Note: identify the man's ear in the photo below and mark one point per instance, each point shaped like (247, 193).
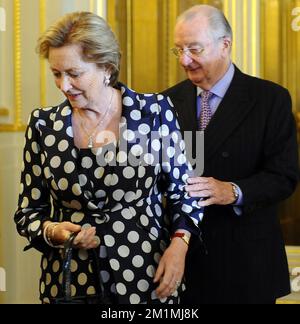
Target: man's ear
(227, 43)
(226, 46)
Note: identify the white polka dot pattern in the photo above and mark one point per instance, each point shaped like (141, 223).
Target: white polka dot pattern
(88, 192)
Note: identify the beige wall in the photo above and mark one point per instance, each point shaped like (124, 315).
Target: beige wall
(22, 269)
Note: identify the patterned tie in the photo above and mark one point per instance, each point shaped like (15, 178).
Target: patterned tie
(206, 114)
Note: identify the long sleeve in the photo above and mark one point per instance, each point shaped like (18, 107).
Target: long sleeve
(184, 210)
(279, 170)
(34, 206)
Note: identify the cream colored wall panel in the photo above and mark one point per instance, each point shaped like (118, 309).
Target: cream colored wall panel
(29, 62)
(2, 19)
(22, 269)
(6, 63)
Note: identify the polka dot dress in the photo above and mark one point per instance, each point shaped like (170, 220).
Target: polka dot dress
(118, 189)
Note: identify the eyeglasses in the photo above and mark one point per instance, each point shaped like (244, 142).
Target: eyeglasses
(190, 52)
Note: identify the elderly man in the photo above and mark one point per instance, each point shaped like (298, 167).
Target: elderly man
(251, 164)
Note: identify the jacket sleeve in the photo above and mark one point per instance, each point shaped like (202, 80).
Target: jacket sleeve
(279, 173)
(34, 206)
(183, 210)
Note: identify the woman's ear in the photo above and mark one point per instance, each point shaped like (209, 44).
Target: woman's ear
(108, 70)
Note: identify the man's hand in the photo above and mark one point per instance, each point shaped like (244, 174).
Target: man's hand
(213, 191)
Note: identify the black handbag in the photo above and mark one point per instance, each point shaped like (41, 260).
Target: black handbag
(100, 298)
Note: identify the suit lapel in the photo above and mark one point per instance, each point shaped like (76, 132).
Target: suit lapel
(186, 106)
(233, 109)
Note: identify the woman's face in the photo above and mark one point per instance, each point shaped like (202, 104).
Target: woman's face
(81, 82)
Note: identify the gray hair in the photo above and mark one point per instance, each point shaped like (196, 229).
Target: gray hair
(218, 23)
(98, 42)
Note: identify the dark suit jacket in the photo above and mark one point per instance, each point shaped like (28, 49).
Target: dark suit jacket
(251, 140)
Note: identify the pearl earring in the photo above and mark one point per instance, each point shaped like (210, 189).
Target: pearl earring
(106, 80)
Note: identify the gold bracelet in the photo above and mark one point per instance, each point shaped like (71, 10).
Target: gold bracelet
(53, 232)
(49, 234)
(183, 236)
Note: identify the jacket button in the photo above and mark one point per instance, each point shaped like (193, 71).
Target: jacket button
(225, 155)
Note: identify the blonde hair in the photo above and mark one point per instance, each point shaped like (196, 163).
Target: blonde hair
(92, 33)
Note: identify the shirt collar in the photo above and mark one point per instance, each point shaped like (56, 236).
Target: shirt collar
(221, 87)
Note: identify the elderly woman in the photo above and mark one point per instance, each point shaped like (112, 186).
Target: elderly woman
(98, 165)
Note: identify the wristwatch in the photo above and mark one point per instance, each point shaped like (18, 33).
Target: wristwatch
(235, 191)
(183, 236)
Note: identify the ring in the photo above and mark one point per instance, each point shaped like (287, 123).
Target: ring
(68, 235)
(97, 240)
(177, 283)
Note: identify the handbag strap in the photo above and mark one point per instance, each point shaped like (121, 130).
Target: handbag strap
(67, 254)
(67, 274)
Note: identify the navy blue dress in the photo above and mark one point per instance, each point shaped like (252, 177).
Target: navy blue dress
(118, 189)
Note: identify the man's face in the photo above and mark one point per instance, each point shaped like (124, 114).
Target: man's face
(210, 64)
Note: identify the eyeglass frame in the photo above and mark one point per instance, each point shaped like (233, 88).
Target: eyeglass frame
(178, 52)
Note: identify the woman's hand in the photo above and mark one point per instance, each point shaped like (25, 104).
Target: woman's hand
(60, 232)
(86, 239)
(171, 268)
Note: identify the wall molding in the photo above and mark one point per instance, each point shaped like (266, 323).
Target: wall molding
(4, 112)
(17, 125)
(16, 119)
